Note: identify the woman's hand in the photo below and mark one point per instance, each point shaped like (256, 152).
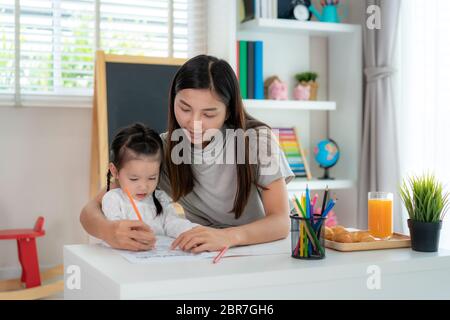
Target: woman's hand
(201, 239)
(130, 235)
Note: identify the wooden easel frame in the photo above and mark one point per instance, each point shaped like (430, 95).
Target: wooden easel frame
(302, 152)
(100, 143)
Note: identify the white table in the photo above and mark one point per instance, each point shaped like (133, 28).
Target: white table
(404, 274)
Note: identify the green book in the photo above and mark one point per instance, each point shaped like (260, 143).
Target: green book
(243, 68)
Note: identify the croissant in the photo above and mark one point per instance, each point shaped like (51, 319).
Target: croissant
(357, 236)
(339, 229)
(340, 234)
(343, 237)
(329, 233)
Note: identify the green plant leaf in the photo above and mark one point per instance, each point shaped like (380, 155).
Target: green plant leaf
(424, 198)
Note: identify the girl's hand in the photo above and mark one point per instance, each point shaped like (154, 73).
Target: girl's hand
(200, 239)
(130, 235)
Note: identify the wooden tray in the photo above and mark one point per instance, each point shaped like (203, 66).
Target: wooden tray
(397, 241)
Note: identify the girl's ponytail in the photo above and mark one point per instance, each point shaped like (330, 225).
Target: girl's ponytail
(108, 180)
(157, 203)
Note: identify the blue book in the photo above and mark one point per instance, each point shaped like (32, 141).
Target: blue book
(258, 79)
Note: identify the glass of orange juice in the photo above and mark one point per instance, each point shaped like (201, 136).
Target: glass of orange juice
(380, 214)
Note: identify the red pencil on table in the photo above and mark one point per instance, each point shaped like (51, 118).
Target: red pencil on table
(220, 255)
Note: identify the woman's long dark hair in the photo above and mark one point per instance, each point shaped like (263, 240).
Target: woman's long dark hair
(207, 72)
(132, 142)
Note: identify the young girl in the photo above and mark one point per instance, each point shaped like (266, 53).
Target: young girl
(136, 155)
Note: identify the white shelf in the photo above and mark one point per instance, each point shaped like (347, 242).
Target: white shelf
(277, 105)
(310, 27)
(289, 49)
(299, 184)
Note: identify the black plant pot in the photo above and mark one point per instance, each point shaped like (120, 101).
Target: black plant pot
(424, 235)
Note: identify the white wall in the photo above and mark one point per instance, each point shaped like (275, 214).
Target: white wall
(44, 170)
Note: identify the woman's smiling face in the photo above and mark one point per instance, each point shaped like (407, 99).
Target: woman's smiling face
(198, 110)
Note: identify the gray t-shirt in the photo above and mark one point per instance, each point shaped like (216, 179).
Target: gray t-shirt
(210, 203)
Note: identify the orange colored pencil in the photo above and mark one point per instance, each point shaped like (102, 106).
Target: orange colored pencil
(133, 204)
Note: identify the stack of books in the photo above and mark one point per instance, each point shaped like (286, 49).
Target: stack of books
(250, 69)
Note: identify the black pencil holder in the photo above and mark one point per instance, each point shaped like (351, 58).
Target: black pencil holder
(307, 237)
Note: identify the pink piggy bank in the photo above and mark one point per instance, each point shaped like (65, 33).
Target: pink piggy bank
(302, 92)
(278, 90)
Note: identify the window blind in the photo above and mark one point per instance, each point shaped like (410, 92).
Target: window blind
(7, 50)
(48, 46)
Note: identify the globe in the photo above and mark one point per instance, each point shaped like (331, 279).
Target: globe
(326, 154)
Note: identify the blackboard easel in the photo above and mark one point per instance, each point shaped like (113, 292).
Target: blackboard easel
(127, 89)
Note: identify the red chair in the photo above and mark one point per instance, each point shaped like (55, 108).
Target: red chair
(26, 246)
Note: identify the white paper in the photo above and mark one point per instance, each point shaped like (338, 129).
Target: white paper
(162, 252)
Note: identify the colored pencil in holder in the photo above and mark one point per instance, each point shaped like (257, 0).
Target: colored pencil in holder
(308, 203)
(324, 200)
(308, 242)
(299, 206)
(327, 211)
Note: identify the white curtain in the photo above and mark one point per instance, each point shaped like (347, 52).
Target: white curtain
(379, 168)
(423, 91)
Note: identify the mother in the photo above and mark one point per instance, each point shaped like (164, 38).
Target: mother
(235, 203)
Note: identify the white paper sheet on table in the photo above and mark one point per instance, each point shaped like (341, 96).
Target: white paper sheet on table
(162, 252)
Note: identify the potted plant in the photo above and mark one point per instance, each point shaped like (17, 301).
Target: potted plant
(308, 79)
(427, 205)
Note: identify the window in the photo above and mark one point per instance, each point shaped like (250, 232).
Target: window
(422, 91)
(48, 46)
(7, 54)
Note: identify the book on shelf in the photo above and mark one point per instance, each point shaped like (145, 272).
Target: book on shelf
(242, 76)
(250, 69)
(249, 10)
(259, 81)
(252, 9)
